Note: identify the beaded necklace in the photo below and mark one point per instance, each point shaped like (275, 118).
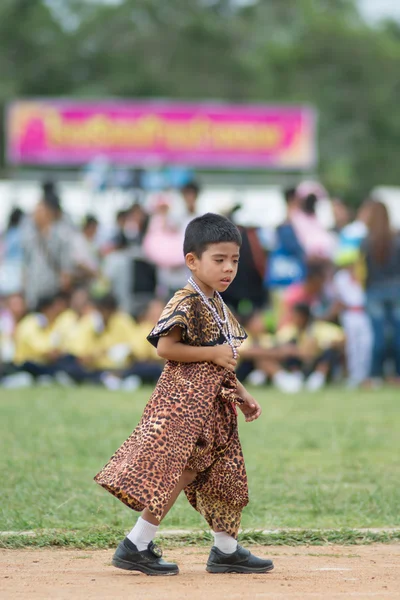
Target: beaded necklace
(226, 331)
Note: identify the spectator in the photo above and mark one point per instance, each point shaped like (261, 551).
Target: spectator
(146, 365)
(341, 215)
(135, 225)
(47, 249)
(316, 241)
(381, 249)
(318, 345)
(117, 240)
(35, 342)
(103, 338)
(13, 311)
(85, 252)
(250, 274)
(309, 292)
(146, 318)
(260, 358)
(11, 270)
(132, 226)
(163, 246)
(66, 323)
(352, 235)
(353, 318)
(190, 194)
(286, 260)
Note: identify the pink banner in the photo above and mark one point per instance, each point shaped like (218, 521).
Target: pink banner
(146, 133)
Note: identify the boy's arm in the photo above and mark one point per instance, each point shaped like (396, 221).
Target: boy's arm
(170, 347)
(250, 407)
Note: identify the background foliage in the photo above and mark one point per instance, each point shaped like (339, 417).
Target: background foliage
(314, 51)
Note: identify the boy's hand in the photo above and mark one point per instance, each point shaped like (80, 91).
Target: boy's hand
(223, 356)
(250, 408)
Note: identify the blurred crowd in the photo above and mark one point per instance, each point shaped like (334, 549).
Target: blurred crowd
(77, 301)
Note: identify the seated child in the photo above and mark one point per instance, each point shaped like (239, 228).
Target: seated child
(317, 346)
(146, 366)
(260, 358)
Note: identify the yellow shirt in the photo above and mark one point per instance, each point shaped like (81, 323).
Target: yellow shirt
(110, 346)
(34, 339)
(64, 326)
(142, 350)
(317, 337)
(264, 341)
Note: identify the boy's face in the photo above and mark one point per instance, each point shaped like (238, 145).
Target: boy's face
(216, 268)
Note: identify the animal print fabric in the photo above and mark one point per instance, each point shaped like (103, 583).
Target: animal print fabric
(190, 422)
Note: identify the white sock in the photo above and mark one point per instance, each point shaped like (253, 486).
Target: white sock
(142, 534)
(224, 542)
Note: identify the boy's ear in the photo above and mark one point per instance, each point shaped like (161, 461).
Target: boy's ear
(190, 260)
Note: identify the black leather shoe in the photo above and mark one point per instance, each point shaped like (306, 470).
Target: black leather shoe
(149, 561)
(240, 561)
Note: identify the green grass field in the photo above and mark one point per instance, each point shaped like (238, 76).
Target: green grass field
(322, 461)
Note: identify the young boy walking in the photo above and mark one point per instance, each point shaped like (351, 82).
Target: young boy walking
(187, 438)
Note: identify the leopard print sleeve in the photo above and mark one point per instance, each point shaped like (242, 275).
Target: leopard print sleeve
(199, 327)
(179, 312)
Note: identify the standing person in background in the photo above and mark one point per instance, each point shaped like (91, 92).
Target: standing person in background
(47, 248)
(131, 227)
(341, 215)
(85, 250)
(381, 250)
(352, 235)
(162, 245)
(249, 276)
(350, 295)
(12, 254)
(185, 211)
(286, 260)
(316, 241)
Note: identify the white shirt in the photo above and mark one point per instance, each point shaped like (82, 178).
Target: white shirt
(348, 290)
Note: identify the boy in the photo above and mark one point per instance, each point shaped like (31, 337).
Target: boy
(187, 438)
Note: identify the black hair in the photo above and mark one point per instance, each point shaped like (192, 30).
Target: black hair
(63, 296)
(303, 309)
(121, 214)
(15, 218)
(309, 204)
(49, 187)
(315, 270)
(52, 201)
(45, 302)
(106, 302)
(290, 194)
(89, 220)
(209, 229)
(191, 186)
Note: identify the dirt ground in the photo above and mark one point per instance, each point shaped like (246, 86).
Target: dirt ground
(329, 572)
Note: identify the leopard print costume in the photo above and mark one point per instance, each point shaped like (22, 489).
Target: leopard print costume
(190, 422)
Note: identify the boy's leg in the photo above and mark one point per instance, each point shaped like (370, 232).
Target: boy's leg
(137, 552)
(146, 526)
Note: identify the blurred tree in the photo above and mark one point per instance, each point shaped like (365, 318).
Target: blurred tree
(314, 51)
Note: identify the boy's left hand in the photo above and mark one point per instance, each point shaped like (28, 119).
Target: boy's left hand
(250, 408)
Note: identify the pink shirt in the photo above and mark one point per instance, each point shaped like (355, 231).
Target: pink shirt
(316, 241)
(294, 294)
